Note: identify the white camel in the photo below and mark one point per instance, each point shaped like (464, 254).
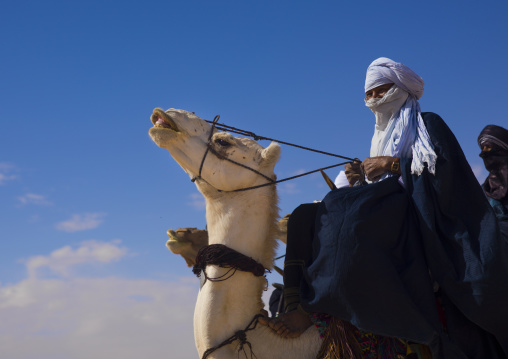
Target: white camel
(244, 221)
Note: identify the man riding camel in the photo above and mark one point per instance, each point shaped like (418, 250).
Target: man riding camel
(413, 228)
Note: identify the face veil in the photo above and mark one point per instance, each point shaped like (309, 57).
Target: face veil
(493, 141)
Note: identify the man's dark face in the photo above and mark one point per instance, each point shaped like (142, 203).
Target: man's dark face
(496, 162)
(486, 147)
(491, 151)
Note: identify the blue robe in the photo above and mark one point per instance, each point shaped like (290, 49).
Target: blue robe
(379, 251)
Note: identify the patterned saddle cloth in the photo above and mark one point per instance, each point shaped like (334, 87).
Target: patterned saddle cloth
(375, 346)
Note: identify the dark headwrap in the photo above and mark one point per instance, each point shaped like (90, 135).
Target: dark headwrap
(496, 161)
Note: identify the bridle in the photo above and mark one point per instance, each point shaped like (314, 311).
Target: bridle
(209, 148)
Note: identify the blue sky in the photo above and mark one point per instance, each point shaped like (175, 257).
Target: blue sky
(86, 197)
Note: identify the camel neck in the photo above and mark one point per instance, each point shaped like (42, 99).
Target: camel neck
(242, 221)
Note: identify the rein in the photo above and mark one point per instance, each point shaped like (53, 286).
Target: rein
(224, 127)
(270, 182)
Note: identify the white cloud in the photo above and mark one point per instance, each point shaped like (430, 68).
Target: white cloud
(81, 222)
(105, 318)
(32, 198)
(5, 176)
(61, 261)
(100, 318)
(197, 201)
(5, 166)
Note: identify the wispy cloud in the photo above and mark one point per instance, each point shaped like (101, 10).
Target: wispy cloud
(98, 318)
(102, 318)
(61, 261)
(289, 188)
(32, 198)
(298, 172)
(81, 222)
(197, 201)
(5, 173)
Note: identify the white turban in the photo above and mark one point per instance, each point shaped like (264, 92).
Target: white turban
(405, 134)
(384, 71)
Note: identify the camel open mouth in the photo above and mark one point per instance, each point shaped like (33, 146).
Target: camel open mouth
(161, 119)
(176, 242)
(175, 237)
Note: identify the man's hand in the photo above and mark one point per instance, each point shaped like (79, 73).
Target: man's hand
(375, 167)
(353, 172)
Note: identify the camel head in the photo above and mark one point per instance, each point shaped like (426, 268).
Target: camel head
(185, 136)
(187, 242)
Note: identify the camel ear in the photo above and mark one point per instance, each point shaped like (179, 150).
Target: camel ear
(271, 154)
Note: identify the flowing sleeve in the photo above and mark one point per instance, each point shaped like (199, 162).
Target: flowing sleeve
(465, 252)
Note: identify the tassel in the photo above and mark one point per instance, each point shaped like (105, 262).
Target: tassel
(340, 342)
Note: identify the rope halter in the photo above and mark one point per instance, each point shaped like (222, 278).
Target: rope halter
(209, 148)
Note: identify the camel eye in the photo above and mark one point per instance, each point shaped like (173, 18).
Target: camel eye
(222, 143)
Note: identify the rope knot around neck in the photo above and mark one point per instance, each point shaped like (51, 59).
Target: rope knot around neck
(225, 257)
(241, 337)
